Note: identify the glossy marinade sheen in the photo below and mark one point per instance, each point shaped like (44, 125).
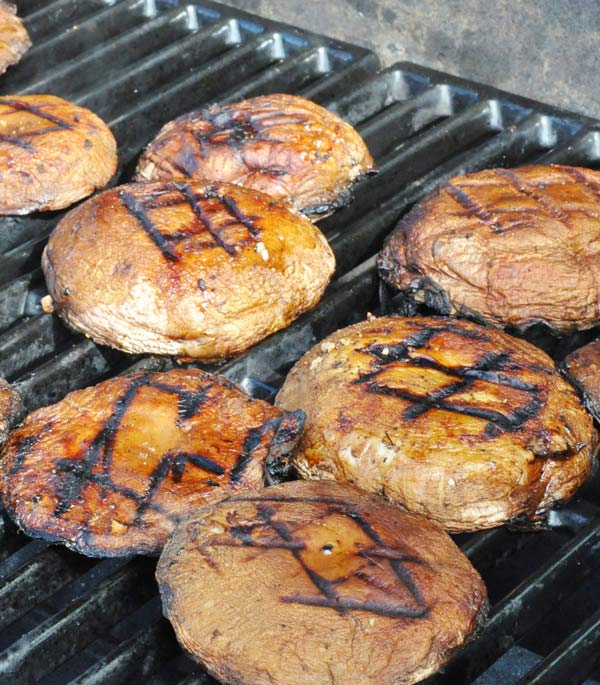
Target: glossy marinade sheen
(197, 270)
(317, 583)
(461, 423)
(283, 145)
(512, 247)
(52, 153)
(110, 469)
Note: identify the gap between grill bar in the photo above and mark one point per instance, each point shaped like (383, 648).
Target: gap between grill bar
(573, 660)
(522, 607)
(49, 644)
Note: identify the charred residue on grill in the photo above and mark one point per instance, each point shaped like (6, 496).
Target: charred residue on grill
(182, 193)
(491, 367)
(270, 532)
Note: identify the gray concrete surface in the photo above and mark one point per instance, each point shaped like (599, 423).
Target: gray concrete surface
(545, 49)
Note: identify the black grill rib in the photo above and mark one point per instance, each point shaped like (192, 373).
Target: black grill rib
(572, 660)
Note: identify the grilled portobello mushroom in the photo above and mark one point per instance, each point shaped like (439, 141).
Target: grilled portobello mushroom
(52, 153)
(283, 145)
(317, 583)
(10, 407)
(14, 39)
(513, 247)
(583, 369)
(110, 469)
(464, 424)
(198, 270)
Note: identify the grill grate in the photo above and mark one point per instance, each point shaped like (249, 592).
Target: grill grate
(66, 618)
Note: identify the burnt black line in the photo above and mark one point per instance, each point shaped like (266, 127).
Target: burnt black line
(529, 191)
(344, 604)
(472, 206)
(202, 462)
(101, 446)
(32, 109)
(17, 141)
(324, 586)
(509, 422)
(139, 213)
(237, 213)
(203, 217)
(577, 176)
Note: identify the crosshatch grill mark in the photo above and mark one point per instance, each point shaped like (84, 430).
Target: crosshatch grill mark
(492, 367)
(21, 139)
(167, 242)
(260, 535)
(95, 467)
(234, 129)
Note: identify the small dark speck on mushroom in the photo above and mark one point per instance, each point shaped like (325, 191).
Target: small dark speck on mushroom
(41, 168)
(202, 284)
(216, 632)
(67, 292)
(88, 144)
(327, 549)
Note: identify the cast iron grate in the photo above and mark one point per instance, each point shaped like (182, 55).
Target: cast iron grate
(65, 618)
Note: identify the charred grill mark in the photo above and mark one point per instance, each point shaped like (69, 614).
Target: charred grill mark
(139, 213)
(580, 178)
(329, 596)
(16, 140)
(19, 105)
(204, 463)
(203, 217)
(324, 586)
(491, 368)
(190, 403)
(246, 221)
(79, 471)
(22, 451)
(176, 464)
(473, 207)
(243, 535)
(344, 604)
(251, 442)
(530, 192)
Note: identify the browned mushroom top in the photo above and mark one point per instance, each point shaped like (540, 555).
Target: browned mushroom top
(317, 583)
(52, 153)
(14, 39)
(462, 423)
(194, 269)
(110, 469)
(511, 246)
(283, 145)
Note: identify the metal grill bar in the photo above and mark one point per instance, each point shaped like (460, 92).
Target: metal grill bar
(572, 660)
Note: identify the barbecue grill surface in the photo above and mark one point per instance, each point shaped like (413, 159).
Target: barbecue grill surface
(137, 64)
